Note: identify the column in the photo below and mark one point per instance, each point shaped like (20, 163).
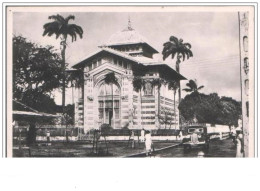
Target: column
(244, 64)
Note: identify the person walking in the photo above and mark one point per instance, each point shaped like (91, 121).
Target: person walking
(132, 139)
(239, 145)
(142, 135)
(148, 143)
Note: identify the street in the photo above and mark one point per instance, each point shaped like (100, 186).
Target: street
(218, 148)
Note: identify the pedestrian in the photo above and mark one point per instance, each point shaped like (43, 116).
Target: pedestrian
(180, 135)
(142, 135)
(233, 134)
(239, 145)
(132, 139)
(48, 134)
(148, 143)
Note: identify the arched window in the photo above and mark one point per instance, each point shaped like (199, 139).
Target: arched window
(106, 89)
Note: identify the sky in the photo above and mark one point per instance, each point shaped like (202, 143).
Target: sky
(214, 37)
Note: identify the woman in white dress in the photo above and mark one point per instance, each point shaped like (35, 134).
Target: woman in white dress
(148, 143)
(142, 135)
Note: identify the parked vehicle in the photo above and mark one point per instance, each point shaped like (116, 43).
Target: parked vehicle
(196, 136)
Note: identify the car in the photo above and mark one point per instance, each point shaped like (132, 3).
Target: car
(196, 137)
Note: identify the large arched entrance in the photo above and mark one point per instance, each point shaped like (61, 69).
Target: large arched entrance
(109, 104)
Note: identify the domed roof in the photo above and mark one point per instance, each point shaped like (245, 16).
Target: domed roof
(127, 36)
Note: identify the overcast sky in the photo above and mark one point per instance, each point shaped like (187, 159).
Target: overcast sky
(213, 36)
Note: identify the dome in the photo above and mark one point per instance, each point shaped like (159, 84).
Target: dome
(127, 36)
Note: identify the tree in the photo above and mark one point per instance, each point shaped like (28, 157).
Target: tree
(177, 47)
(231, 111)
(193, 87)
(111, 79)
(61, 28)
(210, 109)
(36, 73)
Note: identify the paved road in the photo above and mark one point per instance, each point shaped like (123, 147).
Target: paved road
(218, 148)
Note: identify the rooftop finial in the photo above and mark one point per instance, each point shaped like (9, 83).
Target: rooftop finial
(129, 24)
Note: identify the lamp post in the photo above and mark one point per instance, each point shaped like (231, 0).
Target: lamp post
(20, 131)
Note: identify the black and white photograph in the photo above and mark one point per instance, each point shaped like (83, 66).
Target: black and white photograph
(130, 82)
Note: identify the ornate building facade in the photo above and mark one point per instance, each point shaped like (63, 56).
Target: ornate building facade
(127, 54)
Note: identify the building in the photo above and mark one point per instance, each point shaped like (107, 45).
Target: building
(127, 54)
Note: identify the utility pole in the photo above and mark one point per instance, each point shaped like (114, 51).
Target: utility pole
(244, 75)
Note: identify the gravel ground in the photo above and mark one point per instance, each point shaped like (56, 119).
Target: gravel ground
(84, 149)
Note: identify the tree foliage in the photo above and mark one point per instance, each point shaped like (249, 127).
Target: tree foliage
(210, 109)
(176, 46)
(36, 73)
(60, 26)
(192, 86)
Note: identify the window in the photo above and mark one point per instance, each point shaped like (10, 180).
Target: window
(99, 62)
(117, 113)
(101, 113)
(116, 104)
(125, 65)
(148, 123)
(148, 112)
(120, 63)
(151, 117)
(148, 89)
(148, 101)
(90, 67)
(94, 64)
(101, 104)
(108, 104)
(115, 61)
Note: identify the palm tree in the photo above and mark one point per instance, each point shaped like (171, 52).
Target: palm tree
(193, 86)
(111, 79)
(176, 47)
(173, 85)
(60, 27)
